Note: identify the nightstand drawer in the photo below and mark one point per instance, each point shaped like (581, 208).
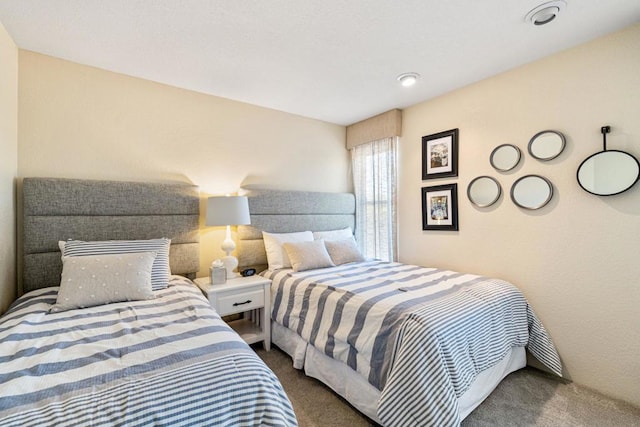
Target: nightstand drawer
(240, 301)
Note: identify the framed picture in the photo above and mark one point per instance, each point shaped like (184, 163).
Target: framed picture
(440, 154)
(440, 207)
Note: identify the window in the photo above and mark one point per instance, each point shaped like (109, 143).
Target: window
(374, 177)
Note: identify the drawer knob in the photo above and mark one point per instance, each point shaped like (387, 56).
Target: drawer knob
(235, 304)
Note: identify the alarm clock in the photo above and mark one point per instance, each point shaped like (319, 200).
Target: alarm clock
(248, 272)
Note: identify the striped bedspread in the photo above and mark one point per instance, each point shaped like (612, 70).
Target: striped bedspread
(420, 335)
(170, 361)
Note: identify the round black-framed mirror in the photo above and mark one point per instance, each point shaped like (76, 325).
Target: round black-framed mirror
(532, 192)
(546, 145)
(608, 173)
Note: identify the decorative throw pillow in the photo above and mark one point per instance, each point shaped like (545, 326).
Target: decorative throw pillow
(160, 273)
(93, 280)
(344, 251)
(276, 255)
(308, 255)
(333, 234)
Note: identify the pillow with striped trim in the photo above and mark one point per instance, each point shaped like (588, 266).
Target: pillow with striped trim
(160, 271)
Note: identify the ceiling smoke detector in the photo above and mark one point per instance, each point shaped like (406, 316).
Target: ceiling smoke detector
(545, 13)
(408, 79)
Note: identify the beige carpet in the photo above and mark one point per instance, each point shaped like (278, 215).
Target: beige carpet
(527, 397)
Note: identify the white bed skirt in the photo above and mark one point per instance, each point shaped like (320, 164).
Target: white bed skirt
(362, 395)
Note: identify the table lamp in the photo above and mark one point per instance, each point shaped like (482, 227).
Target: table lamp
(228, 211)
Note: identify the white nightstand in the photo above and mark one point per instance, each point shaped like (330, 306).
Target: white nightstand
(248, 295)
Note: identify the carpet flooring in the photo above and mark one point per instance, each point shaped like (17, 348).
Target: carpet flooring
(528, 397)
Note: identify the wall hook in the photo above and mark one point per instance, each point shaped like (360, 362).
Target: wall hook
(605, 130)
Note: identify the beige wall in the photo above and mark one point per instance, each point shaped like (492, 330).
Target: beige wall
(82, 122)
(576, 259)
(8, 165)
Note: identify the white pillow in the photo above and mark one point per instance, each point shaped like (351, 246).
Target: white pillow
(161, 271)
(344, 251)
(276, 255)
(93, 280)
(333, 234)
(308, 255)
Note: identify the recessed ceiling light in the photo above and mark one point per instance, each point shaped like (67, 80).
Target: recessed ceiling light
(545, 13)
(408, 79)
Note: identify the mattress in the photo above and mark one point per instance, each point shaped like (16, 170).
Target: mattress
(167, 361)
(421, 336)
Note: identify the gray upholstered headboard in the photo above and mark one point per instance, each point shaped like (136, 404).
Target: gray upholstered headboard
(60, 209)
(287, 212)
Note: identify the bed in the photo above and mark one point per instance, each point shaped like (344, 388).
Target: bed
(406, 345)
(159, 355)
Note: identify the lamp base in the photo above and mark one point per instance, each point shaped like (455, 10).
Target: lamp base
(230, 263)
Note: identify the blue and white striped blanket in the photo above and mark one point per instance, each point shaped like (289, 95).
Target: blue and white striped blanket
(420, 335)
(170, 361)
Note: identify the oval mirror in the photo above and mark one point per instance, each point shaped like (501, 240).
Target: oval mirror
(546, 145)
(608, 172)
(505, 157)
(531, 192)
(484, 191)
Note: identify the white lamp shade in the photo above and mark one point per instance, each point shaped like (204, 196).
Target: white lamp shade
(229, 210)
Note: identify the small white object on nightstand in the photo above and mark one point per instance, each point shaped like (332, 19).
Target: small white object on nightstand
(248, 295)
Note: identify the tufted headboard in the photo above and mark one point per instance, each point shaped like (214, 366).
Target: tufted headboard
(60, 209)
(286, 212)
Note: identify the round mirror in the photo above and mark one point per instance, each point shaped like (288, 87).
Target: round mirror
(608, 172)
(531, 192)
(505, 157)
(484, 191)
(546, 145)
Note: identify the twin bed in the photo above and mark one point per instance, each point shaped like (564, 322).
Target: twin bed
(405, 345)
(164, 357)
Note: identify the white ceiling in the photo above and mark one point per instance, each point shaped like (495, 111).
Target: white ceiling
(332, 60)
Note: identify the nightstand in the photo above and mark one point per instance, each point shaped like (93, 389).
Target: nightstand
(250, 296)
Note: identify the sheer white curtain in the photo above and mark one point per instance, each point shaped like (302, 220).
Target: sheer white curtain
(374, 179)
